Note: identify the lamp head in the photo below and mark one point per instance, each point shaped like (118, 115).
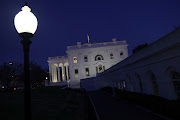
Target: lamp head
(25, 21)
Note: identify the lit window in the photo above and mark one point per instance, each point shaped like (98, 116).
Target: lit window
(76, 73)
(75, 59)
(111, 56)
(87, 71)
(85, 58)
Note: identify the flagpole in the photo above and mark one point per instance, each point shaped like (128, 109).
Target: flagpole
(88, 37)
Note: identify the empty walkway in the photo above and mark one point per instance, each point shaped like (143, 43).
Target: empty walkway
(109, 108)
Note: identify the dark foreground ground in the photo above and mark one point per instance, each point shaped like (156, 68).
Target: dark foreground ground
(111, 108)
(54, 103)
(50, 103)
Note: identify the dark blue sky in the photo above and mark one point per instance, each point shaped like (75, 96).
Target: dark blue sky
(63, 22)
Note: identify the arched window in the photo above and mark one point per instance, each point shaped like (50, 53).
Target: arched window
(154, 84)
(99, 57)
(139, 83)
(130, 83)
(123, 85)
(175, 76)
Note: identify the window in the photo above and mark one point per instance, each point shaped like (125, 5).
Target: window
(75, 59)
(176, 82)
(121, 53)
(85, 58)
(100, 68)
(122, 85)
(154, 84)
(76, 73)
(87, 71)
(111, 56)
(99, 57)
(130, 84)
(139, 83)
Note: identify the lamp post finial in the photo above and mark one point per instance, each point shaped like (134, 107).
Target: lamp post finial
(26, 4)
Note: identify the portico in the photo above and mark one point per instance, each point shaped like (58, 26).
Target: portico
(58, 69)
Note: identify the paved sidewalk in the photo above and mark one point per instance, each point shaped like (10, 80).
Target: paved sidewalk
(109, 108)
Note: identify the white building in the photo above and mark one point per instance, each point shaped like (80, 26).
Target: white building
(85, 61)
(153, 70)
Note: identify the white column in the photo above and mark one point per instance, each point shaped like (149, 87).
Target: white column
(55, 74)
(50, 73)
(52, 68)
(63, 73)
(59, 80)
(67, 74)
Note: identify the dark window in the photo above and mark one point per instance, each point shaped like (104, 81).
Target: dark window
(121, 54)
(100, 68)
(85, 59)
(76, 72)
(154, 84)
(111, 56)
(99, 57)
(176, 82)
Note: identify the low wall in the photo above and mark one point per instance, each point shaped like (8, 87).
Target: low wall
(94, 83)
(159, 59)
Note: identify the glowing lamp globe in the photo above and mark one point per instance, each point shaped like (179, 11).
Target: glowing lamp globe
(25, 21)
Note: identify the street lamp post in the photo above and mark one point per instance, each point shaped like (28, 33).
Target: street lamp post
(26, 25)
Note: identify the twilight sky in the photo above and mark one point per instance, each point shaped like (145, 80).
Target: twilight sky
(62, 23)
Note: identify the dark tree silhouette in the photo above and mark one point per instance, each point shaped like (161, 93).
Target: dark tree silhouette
(11, 74)
(37, 75)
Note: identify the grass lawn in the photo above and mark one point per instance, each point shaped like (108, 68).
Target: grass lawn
(49, 103)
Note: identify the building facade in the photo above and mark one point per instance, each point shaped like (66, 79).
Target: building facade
(153, 70)
(86, 61)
